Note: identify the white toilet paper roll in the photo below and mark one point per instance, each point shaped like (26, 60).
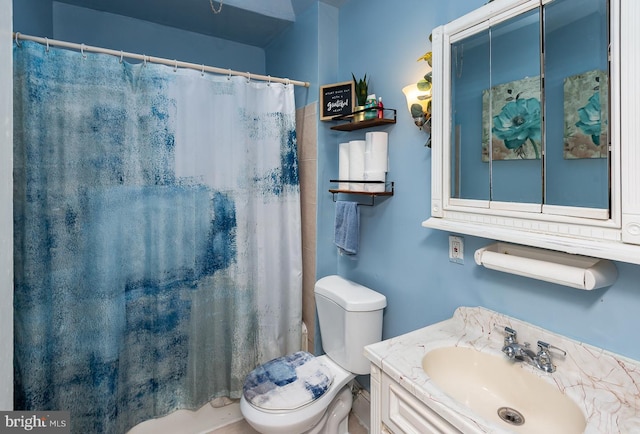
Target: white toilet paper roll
(343, 165)
(356, 164)
(374, 176)
(376, 151)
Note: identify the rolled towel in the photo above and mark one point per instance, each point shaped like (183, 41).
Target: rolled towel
(343, 165)
(376, 157)
(374, 176)
(356, 164)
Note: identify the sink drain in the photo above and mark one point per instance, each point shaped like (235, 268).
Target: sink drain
(511, 416)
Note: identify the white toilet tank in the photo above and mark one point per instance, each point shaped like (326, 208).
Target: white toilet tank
(350, 317)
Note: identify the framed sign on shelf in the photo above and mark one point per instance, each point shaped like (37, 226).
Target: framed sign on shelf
(336, 100)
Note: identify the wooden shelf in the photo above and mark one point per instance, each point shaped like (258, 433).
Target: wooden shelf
(389, 113)
(372, 194)
(368, 193)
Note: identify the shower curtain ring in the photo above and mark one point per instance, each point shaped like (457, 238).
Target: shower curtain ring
(248, 77)
(175, 65)
(229, 76)
(121, 56)
(47, 41)
(269, 82)
(144, 58)
(202, 72)
(84, 56)
(288, 82)
(17, 36)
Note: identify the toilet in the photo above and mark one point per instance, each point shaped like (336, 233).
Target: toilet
(300, 393)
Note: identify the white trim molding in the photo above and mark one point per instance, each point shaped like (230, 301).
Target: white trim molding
(610, 234)
(6, 207)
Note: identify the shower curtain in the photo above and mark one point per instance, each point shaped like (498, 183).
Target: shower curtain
(157, 235)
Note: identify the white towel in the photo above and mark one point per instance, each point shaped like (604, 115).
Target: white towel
(343, 165)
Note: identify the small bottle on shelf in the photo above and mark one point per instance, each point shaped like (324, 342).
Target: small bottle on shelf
(380, 109)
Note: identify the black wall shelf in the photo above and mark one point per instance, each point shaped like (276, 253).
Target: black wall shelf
(389, 190)
(389, 117)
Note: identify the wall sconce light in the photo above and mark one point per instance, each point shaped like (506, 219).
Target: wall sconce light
(419, 105)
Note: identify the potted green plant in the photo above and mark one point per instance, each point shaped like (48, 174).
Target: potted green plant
(362, 91)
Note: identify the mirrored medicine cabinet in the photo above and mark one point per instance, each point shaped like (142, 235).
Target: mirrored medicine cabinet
(536, 123)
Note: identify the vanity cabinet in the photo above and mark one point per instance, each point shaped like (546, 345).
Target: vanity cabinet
(535, 126)
(574, 399)
(396, 411)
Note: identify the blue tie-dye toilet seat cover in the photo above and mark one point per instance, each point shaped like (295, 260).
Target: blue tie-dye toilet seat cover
(287, 382)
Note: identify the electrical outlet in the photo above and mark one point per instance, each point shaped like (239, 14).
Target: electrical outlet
(456, 249)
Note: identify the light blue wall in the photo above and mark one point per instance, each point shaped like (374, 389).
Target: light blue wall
(80, 25)
(408, 263)
(33, 17)
(294, 54)
(398, 257)
(329, 55)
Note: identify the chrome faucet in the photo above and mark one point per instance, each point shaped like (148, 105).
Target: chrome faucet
(523, 353)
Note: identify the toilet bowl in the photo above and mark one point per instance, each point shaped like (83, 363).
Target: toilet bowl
(304, 419)
(300, 393)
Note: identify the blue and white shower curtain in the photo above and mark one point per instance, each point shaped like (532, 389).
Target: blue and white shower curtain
(157, 235)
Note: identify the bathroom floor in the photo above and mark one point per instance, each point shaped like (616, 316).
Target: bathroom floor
(227, 420)
(242, 427)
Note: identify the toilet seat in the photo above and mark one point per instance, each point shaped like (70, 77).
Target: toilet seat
(303, 418)
(287, 383)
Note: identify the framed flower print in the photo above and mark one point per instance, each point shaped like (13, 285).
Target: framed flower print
(511, 119)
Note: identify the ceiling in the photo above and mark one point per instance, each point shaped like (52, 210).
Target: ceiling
(251, 22)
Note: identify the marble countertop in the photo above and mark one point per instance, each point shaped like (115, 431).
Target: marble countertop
(605, 386)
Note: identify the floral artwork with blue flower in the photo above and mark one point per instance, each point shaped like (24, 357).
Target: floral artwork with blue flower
(518, 125)
(589, 121)
(585, 134)
(511, 120)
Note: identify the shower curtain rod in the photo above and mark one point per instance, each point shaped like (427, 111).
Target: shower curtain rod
(175, 63)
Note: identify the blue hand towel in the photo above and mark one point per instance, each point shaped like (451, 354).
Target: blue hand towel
(347, 227)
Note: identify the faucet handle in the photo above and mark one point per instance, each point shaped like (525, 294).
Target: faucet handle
(510, 342)
(543, 358)
(545, 347)
(510, 336)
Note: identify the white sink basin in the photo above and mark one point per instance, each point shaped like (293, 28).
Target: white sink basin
(489, 385)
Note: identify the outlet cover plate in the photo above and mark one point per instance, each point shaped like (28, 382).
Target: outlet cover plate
(456, 249)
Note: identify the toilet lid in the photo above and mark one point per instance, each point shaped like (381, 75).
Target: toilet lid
(287, 382)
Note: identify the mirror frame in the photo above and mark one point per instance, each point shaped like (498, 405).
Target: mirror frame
(567, 229)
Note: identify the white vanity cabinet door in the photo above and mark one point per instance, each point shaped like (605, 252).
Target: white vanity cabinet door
(403, 413)
(375, 395)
